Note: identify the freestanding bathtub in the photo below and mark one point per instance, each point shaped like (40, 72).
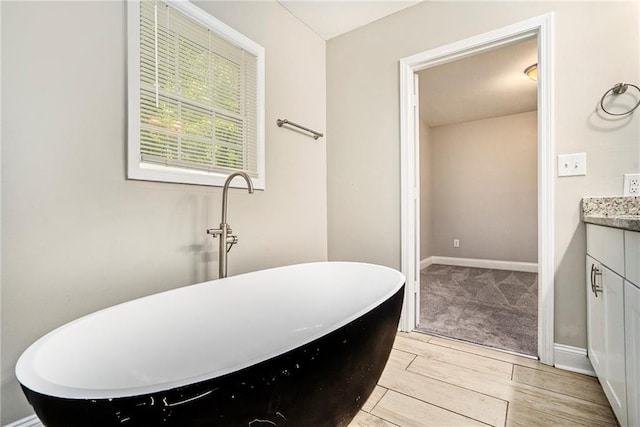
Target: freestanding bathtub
(302, 345)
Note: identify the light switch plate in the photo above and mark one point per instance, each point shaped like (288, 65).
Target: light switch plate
(572, 164)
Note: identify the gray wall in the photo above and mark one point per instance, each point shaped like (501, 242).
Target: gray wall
(76, 235)
(596, 45)
(482, 180)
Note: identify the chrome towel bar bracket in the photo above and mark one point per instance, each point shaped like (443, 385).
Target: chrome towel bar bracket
(314, 134)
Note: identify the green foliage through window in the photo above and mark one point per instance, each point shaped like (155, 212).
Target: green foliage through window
(197, 95)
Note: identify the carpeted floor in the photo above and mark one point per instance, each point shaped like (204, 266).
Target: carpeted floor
(496, 308)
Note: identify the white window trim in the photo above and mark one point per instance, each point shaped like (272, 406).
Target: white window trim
(142, 171)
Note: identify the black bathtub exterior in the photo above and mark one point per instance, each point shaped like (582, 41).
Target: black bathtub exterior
(322, 383)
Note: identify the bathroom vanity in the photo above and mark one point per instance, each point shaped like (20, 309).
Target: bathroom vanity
(613, 300)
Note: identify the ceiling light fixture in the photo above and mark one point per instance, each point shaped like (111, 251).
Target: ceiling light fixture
(532, 71)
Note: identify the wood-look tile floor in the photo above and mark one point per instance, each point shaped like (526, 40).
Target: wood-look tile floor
(432, 381)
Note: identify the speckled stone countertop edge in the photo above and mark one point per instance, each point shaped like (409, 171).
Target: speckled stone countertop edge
(625, 224)
(616, 211)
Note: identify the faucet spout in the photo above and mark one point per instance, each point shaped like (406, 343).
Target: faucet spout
(225, 190)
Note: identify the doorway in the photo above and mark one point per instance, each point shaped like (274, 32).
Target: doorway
(540, 28)
(478, 199)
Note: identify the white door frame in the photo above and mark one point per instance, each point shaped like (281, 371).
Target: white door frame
(542, 28)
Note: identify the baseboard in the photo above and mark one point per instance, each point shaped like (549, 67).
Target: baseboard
(426, 262)
(572, 359)
(528, 267)
(31, 421)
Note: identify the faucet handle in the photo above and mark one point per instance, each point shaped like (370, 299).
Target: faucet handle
(214, 231)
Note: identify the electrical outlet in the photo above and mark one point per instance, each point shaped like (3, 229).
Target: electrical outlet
(632, 184)
(456, 243)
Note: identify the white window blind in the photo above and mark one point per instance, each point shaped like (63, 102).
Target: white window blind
(199, 95)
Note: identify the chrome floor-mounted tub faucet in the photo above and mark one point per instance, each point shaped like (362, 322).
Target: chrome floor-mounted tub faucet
(227, 239)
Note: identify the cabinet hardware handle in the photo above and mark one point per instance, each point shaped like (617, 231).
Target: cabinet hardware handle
(594, 285)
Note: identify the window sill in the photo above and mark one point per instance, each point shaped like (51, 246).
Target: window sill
(160, 173)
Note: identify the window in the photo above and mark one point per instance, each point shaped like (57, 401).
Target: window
(196, 96)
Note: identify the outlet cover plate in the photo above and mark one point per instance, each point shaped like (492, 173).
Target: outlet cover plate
(632, 184)
(572, 164)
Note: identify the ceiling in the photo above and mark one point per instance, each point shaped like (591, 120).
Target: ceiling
(330, 18)
(481, 86)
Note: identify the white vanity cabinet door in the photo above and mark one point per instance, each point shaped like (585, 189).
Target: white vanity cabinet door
(632, 335)
(595, 320)
(606, 340)
(614, 383)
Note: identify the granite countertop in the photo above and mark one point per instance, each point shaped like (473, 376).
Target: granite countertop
(619, 212)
